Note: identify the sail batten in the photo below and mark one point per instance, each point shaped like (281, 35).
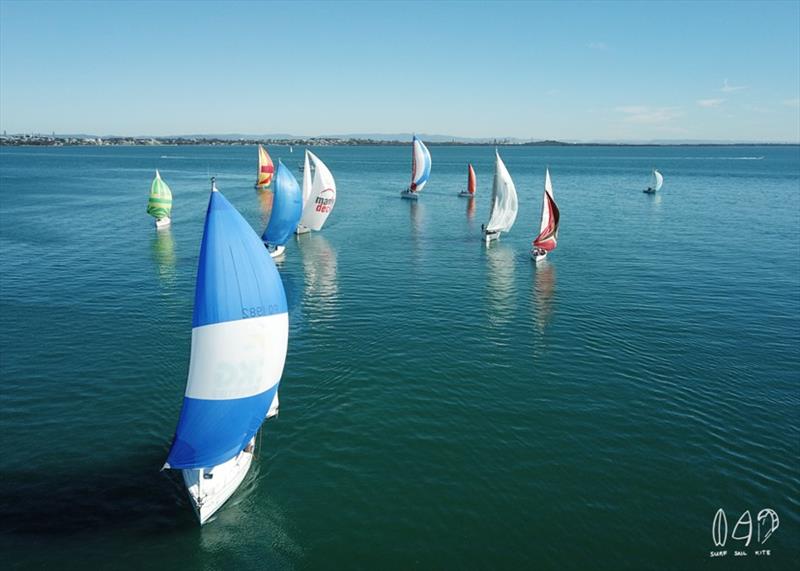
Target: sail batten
(239, 341)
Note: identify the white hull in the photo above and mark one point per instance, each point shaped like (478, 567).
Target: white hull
(163, 222)
(490, 236)
(302, 229)
(537, 257)
(466, 194)
(210, 488)
(275, 251)
(409, 195)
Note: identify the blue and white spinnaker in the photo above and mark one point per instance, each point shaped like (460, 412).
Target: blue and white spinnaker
(240, 330)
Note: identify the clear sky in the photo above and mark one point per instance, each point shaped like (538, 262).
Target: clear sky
(542, 70)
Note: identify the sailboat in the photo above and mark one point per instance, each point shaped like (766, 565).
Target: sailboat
(658, 182)
(159, 206)
(266, 169)
(305, 168)
(240, 331)
(548, 228)
(321, 197)
(287, 206)
(504, 203)
(420, 169)
(471, 183)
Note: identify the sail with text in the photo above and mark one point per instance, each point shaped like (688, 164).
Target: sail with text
(322, 195)
(240, 329)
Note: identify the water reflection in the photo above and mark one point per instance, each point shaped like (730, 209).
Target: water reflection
(544, 286)
(417, 214)
(500, 281)
(321, 291)
(470, 208)
(163, 250)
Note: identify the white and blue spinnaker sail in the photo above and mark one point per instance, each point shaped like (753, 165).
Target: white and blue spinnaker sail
(240, 330)
(420, 165)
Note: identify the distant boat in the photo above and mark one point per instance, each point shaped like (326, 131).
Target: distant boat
(548, 228)
(287, 206)
(504, 203)
(319, 194)
(291, 149)
(420, 169)
(658, 182)
(471, 183)
(240, 330)
(266, 169)
(159, 206)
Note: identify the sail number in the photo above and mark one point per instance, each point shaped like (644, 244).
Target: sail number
(259, 310)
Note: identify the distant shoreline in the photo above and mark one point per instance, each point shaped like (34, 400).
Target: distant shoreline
(66, 141)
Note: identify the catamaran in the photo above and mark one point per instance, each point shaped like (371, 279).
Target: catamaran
(420, 169)
(287, 207)
(266, 169)
(504, 203)
(471, 183)
(548, 228)
(159, 206)
(658, 182)
(319, 194)
(240, 332)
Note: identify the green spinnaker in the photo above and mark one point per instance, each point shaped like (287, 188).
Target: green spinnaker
(160, 204)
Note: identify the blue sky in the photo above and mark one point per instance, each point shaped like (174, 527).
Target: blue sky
(564, 70)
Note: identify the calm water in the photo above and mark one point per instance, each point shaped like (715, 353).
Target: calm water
(444, 406)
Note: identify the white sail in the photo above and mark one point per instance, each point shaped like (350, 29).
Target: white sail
(322, 196)
(504, 199)
(306, 181)
(548, 188)
(659, 180)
